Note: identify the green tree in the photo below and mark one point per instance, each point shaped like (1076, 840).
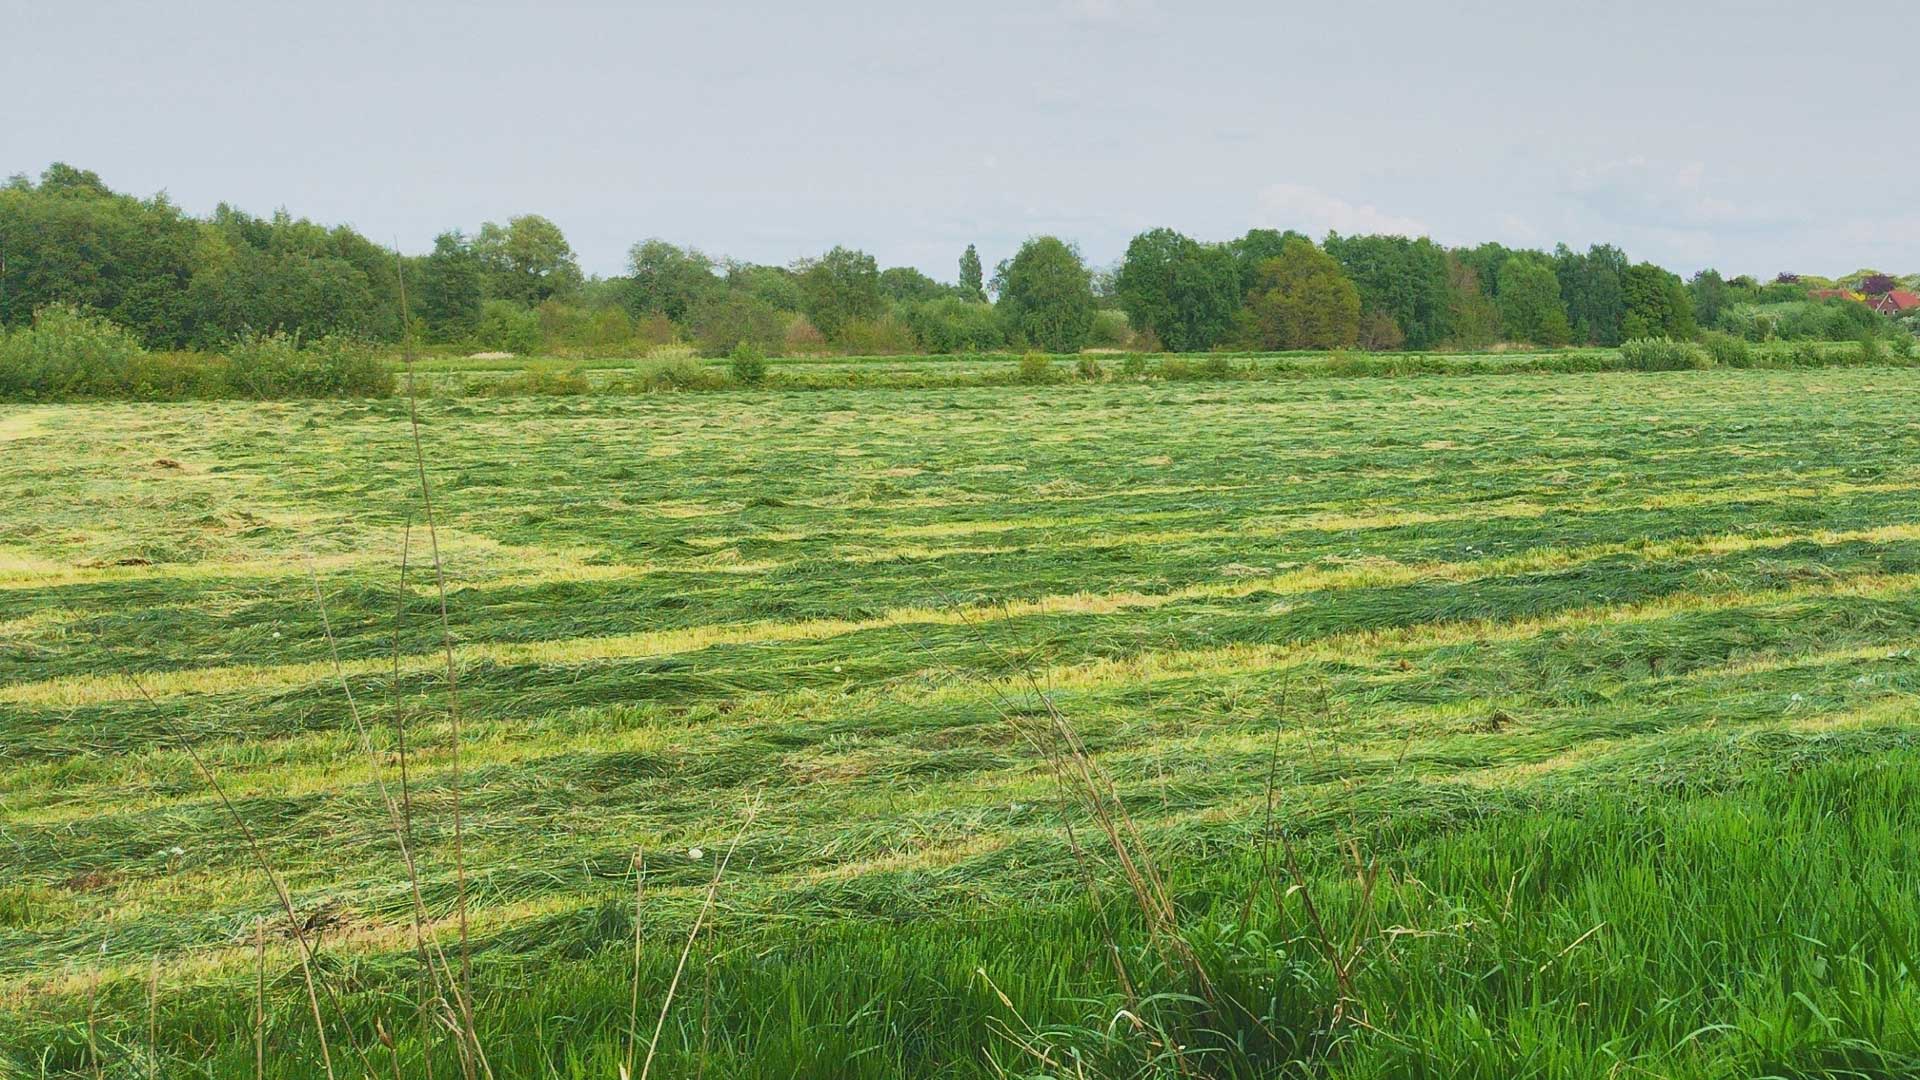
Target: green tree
(1302, 299)
(839, 287)
(1657, 305)
(1711, 295)
(1401, 278)
(452, 287)
(508, 327)
(1530, 305)
(1485, 261)
(905, 285)
(528, 260)
(666, 280)
(724, 321)
(775, 286)
(1256, 249)
(1591, 289)
(1183, 292)
(70, 240)
(1046, 296)
(284, 292)
(1474, 315)
(971, 286)
(953, 325)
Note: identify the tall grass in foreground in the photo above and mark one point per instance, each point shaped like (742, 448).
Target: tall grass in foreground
(1764, 926)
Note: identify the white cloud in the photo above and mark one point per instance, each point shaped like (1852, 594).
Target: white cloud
(1314, 212)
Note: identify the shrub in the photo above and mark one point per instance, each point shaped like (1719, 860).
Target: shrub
(270, 366)
(734, 319)
(1379, 332)
(536, 382)
(1870, 350)
(1088, 367)
(655, 329)
(1110, 330)
(802, 338)
(953, 326)
(1905, 346)
(1662, 354)
(508, 327)
(1728, 350)
(672, 373)
(1808, 354)
(1175, 369)
(1348, 362)
(748, 364)
(885, 336)
(1133, 365)
(1216, 367)
(1036, 369)
(67, 353)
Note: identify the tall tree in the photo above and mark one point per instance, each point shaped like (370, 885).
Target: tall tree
(1256, 249)
(1403, 279)
(527, 260)
(1711, 295)
(71, 240)
(1302, 299)
(904, 284)
(1657, 305)
(775, 286)
(1530, 305)
(1485, 261)
(663, 279)
(452, 288)
(1590, 287)
(1046, 296)
(839, 287)
(1474, 315)
(971, 285)
(1183, 292)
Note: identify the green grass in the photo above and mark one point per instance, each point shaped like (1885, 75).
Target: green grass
(1607, 677)
(456, 375)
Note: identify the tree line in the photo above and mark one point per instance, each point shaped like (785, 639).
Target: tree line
(177, 281)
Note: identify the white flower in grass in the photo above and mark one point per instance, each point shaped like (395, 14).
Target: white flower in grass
(696, 854)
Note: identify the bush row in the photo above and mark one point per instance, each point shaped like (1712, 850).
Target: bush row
(681, 371)
(69, 355)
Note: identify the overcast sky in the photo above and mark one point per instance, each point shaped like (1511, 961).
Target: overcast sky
(1753, 136)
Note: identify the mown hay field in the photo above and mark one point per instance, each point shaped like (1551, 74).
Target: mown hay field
(1585, 702)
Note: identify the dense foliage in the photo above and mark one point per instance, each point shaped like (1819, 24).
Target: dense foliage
(174, 281)
(69, 355)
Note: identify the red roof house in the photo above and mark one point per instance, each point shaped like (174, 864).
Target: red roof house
(1897, 302)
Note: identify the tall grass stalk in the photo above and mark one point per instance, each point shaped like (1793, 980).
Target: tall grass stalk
(305, 950)
(259, 999)
(639, 939)
(699, 921)
(456, 779)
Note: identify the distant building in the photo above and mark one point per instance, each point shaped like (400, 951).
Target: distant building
(1898, 302)
(1895, 303)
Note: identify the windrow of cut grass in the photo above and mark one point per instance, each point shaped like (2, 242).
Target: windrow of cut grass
(1605, 681)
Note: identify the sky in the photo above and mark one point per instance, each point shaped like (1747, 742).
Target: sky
(1753, 137)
